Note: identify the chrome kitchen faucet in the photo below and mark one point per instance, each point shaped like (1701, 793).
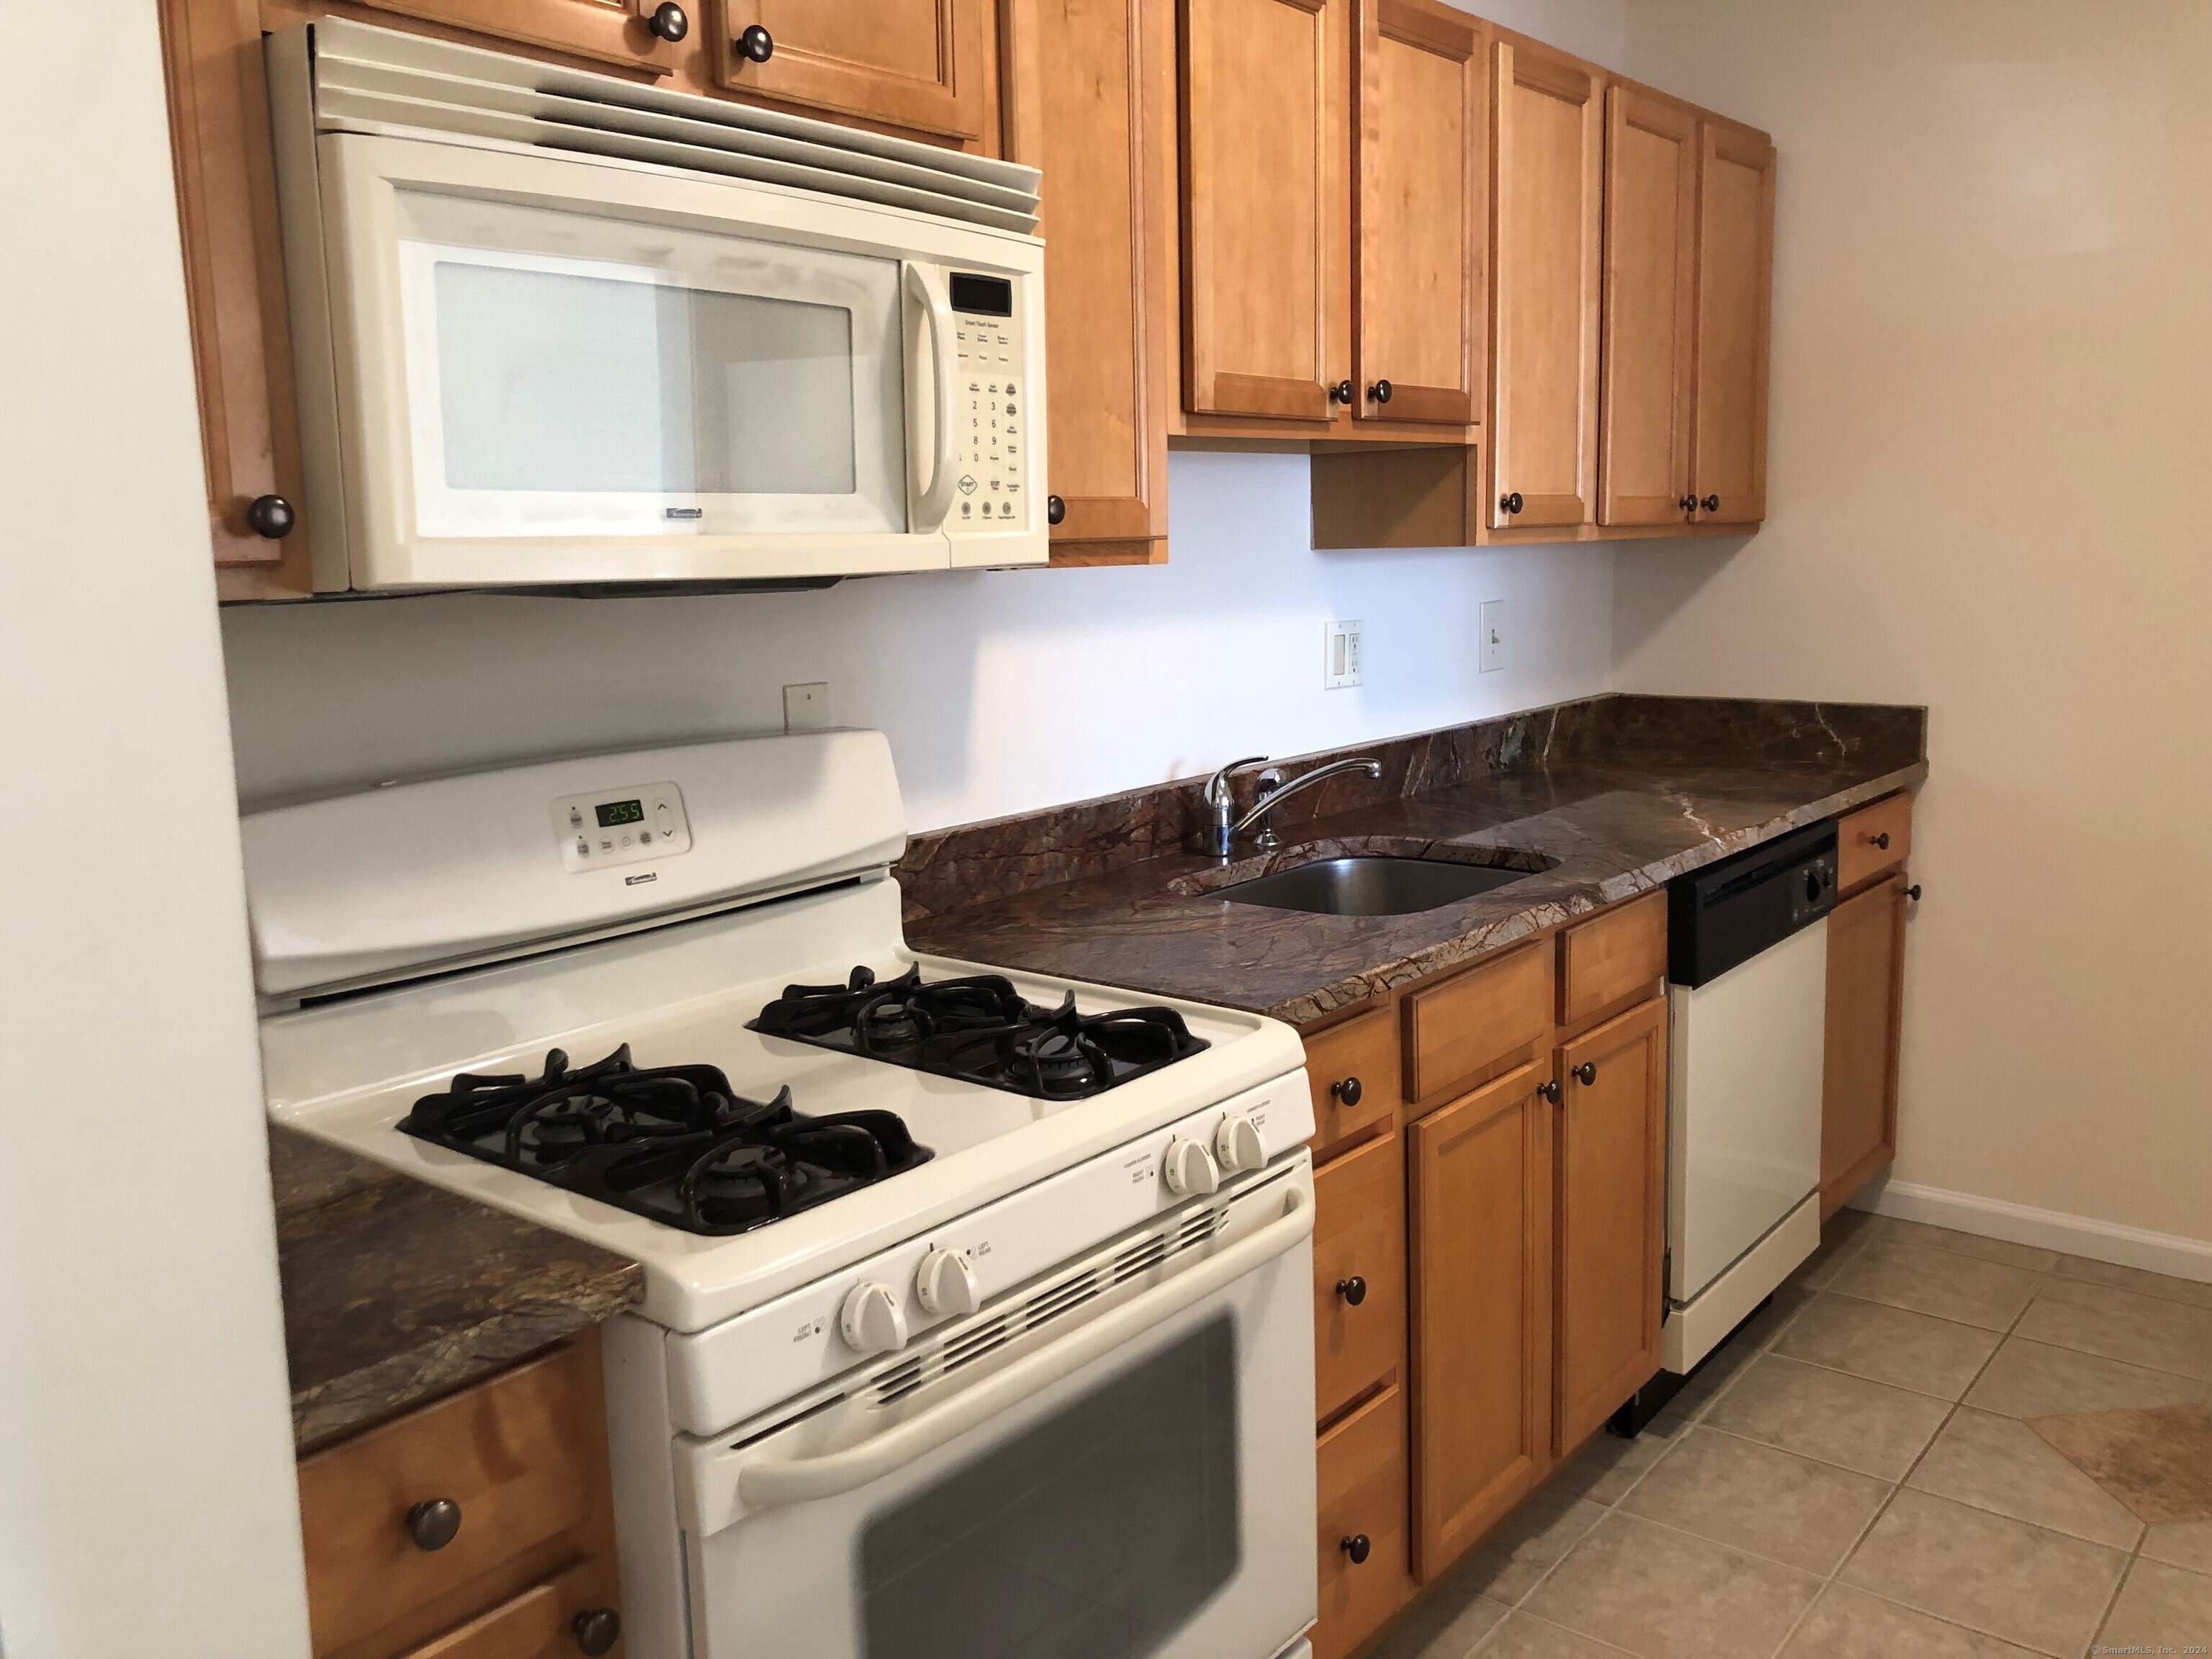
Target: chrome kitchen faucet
(1222, 826)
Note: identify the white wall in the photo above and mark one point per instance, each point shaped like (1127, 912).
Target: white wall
(1992, 380)
(147, 1502)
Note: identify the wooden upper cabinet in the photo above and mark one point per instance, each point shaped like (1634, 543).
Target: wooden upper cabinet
(917, 64)
(1651, 273)
(1089, 92)
(1547, 157)
(1735, 260)
(612, 31)
(1265, 211)
(1611, 1208)
(1421, 86)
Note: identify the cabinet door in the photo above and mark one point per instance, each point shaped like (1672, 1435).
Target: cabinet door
(1361, 1534)
(1736, 264)
(1650, 268)
(1420, 160)
(612, 31)
(1265, 214)
(1866, 995)
(1611, 1209)
(1480, 1234)
(1359, 1274)
(914, 63)
(1544, 242)
(1089, 93)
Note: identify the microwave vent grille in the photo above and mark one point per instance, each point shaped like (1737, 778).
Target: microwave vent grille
(377, 79)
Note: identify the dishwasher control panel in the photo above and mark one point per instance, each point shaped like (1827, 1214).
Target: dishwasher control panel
(1721, 916)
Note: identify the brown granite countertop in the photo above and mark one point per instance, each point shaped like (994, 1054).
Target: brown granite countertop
(396, 1291)
(1600, 801)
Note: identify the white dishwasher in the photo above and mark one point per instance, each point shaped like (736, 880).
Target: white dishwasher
(1747, 1004)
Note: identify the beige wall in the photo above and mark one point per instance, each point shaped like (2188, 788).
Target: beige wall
(1991, 425)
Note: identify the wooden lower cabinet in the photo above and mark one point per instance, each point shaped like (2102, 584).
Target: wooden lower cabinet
(1612, 1217)
(1359, 1275)
(1361, 1537)
(1480, 1186)
(1866, 1001)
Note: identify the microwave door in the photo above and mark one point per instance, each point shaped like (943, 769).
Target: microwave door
(931, 409)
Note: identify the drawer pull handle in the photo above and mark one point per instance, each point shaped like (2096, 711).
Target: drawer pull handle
(1913, 892)
(1357, 1546)
(1586, 1074)
(1352, 1290)
(434, 1522)
(596, 1630)
(755, 43)
(1712, 503)
(669, 22)
(1510, 501)
(1550, 1090)
(270, 517)
(1881, 841)
(1347, 1092)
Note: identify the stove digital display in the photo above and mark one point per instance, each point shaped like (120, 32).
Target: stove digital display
(613, 812)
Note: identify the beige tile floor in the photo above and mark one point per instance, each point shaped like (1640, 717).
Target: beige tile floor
(1850, 1478)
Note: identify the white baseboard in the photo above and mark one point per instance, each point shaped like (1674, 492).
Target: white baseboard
(2048, 1230)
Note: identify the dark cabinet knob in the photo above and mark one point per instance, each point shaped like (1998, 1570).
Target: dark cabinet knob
(271, 516)
(1357, 1546)
(1352, 1290)
(669, 22)
(755, 43)
(1881, 841)
(1341, 392)
(1550, 1090)
(1512, 502)
(1586, 1074)
(1688, 503)
(1712, 503)
(1913, 892)
(596, 1630)
(1056, 509)
(1348, 1091)
(433, 1523)
(1380, 392)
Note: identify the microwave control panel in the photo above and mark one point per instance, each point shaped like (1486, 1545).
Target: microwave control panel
(621, 826)
(992, 407)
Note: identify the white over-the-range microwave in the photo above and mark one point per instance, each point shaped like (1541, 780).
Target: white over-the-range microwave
(553, 329)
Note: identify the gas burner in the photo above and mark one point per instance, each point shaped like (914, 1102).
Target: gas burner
(981, 1029)
(672, 1143)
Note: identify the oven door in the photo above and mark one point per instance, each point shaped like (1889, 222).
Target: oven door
(550, 371)
(1134, 1475)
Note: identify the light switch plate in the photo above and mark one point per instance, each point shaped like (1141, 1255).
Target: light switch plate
(806, 708)
(1340, 655)
(1493, 636)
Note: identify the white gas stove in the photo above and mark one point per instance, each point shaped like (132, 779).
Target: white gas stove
(1023, 1366)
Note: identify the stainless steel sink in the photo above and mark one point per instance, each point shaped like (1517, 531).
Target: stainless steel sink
(1370, 886)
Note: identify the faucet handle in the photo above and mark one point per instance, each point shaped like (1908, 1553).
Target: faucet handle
(1217, 786)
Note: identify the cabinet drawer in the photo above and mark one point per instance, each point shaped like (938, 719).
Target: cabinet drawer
(517, 1455)
(1362, 1493)
(1612, 957)
(1468, 1028)
(1359, 1250)
(1353, 1070)
(1873, 839)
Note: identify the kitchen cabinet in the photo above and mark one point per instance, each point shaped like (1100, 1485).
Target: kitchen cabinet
(921, 66)
(1611, 1210)
(480, 1524)
(1650, 300)
(1544, 231)
(1090, 99)
(1736, 261)
(622, 32)
(1359, 1275)
(1866, 998)
(1360, 1536)
(1480, 1182)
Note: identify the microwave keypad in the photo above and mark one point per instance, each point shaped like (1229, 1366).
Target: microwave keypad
(993, 414)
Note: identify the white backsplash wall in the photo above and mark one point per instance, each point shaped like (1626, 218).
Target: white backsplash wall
(1001, 690)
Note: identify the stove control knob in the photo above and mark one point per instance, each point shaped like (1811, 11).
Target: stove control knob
(945, 1284)
(1189, 1169)
(872, 1322)
(1236, 1144)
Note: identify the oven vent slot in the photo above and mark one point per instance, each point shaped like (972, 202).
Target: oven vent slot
(376, 80)
(899, 1383)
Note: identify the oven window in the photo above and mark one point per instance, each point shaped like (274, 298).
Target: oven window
(551, 381)
(1094, 1535)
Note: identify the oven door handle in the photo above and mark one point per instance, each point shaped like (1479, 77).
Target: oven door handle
(927, 286)
(796, 1481)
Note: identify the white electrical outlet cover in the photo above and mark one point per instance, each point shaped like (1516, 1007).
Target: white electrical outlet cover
(1340, 655)
(806, 708)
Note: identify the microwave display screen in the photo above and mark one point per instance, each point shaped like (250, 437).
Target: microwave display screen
(982, 296)
(552, 382)
(611, 812)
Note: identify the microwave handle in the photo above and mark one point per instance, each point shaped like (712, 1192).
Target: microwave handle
(927, 286)
(795, 1480)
